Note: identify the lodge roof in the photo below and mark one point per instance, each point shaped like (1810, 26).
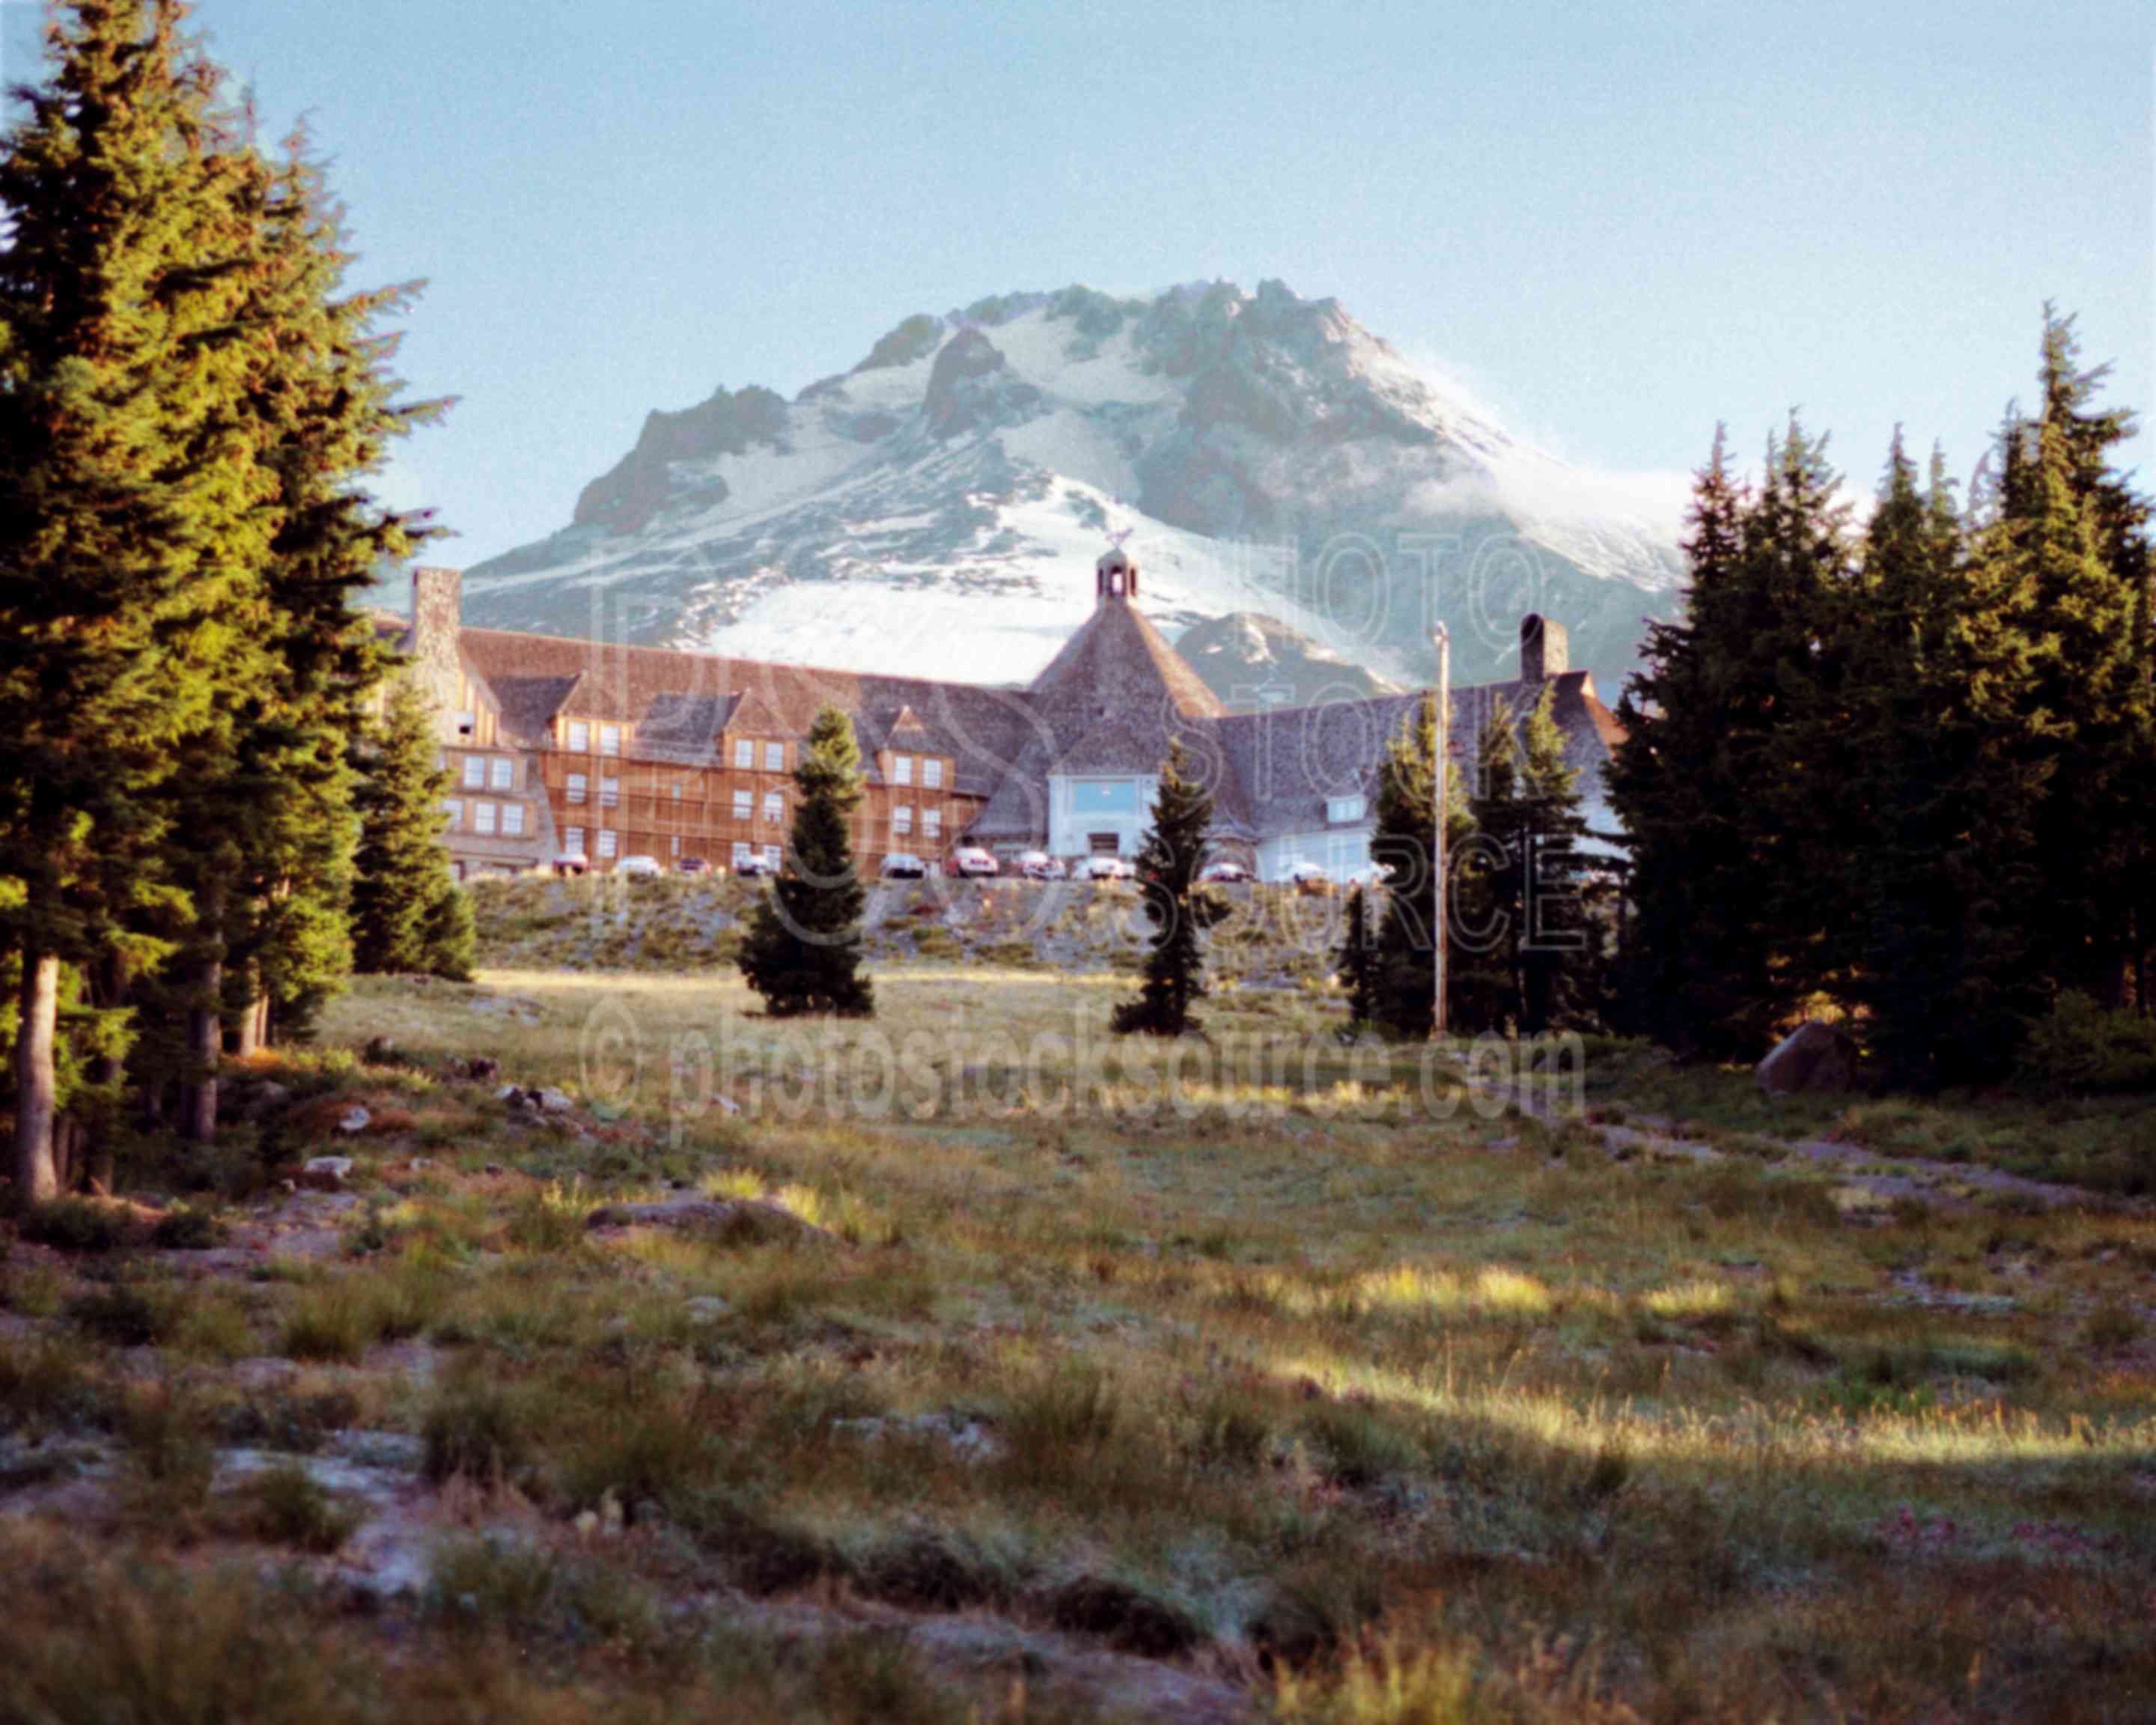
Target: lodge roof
(1111, 701)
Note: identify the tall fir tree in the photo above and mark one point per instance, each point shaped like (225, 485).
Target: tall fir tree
(1169, 858)
(408, 915)
(803, 949)
(325, 403)
(128, 495)
(1696, 961)
(1403, 829)
(1528, 956)
(2074, 533)
(1557, 954)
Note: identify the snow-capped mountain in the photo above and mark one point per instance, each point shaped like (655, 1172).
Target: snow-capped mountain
(937, 509)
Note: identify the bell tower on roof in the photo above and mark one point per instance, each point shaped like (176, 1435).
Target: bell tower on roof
(1115, 577)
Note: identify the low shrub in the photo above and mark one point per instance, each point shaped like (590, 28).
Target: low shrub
(2082, 1047)
(287, 1506)
(185, 1228)
(122, 1315)
(473, 1429)
(75, 1224)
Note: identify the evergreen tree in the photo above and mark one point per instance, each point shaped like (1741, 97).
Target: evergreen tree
(408, 915)
(127, 527)
(323, 404)
(2075, 534)
(1527, 939)
(1489, 895)
(1404, 825)
(1356, 963)
(803, 949)
(1169, 858)
(1556, 954)
(1696, 966)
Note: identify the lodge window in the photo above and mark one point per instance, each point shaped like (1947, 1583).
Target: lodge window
(931, 772)
(475, 772)
(931, 823)
(609, 793)
(1340, 810)
(675, 788)
(774, 758)
(512, 819)
(770, 854)
(482, 817)
(610, 739)
(744, 804)
(742, 851)
(577, 784)
(902, 819)
(454, 809)
(744, 752)
(774, 806)
(606, 841)
(503, 774)
(467, 723)
(674, 845)
(572, 839)
(580, 737)
(901, 769)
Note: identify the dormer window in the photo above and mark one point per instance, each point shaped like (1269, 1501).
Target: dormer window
(932, 772)
(901, 769)
(580, 737)
(467, 723)
(774, 758)
(610, 739)
(1340, 811)
(744, 753)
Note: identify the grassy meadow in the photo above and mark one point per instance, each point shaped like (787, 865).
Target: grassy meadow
(981, 1370)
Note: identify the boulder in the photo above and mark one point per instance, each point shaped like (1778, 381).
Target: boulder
(353, 1121)
(326, 1173)
(1814, 1057)
(381, 1051)
(482, 1068)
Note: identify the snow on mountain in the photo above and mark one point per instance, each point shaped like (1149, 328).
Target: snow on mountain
(937, 509)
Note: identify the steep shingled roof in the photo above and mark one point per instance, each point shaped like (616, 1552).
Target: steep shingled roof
(1110, 702)
(680, 702)
(1289, 761)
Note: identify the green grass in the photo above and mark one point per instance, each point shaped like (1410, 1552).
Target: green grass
(1361, 1413)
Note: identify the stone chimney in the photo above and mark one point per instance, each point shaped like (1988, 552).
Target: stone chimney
(1115, 577)
(1545, 651)
(437, 605)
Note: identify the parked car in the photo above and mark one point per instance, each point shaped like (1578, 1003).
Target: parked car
(1040, 866)
(639, 865)
(1223, 874)
(753, 867)
(970, 862)
(572, 862)
(903, 865)
(1110, 868)
(1311, 877)
(692, 865)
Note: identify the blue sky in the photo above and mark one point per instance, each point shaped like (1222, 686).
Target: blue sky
(1616, 224)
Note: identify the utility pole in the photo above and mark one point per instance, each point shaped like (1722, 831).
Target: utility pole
(1441, 637)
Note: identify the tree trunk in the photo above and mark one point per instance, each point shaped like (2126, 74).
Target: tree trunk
(36, 1177)
(247, 1028)
(205, 1048)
